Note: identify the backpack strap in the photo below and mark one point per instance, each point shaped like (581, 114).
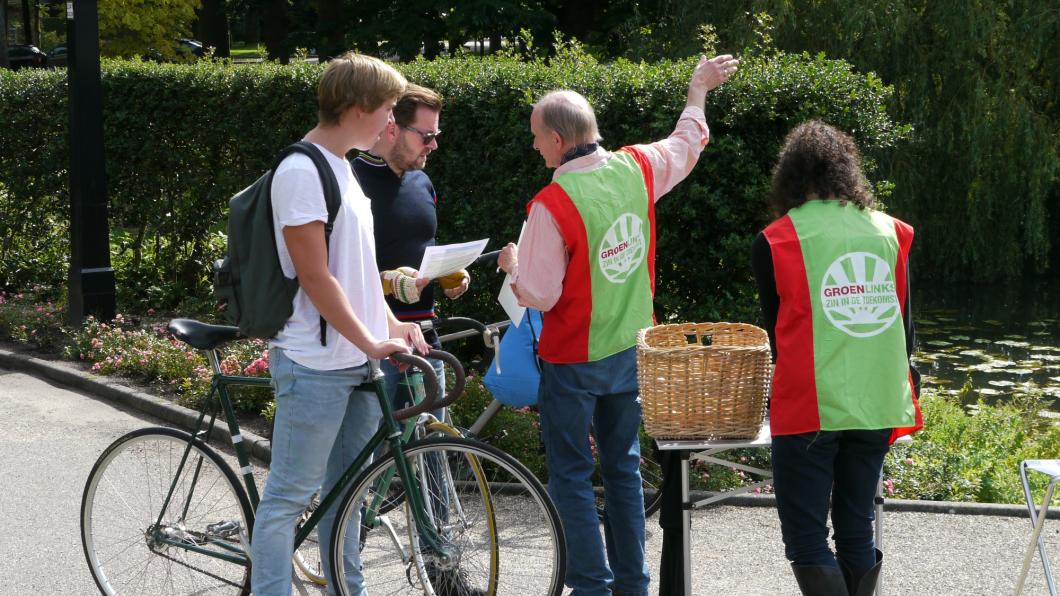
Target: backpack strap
(332, 197)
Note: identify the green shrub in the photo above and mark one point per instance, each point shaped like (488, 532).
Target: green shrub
(181, 139)
(972, 455)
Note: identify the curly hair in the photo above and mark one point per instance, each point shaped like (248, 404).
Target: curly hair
(820, 160)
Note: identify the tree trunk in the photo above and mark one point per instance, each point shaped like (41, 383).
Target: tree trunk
(213, 27)
(28, 29)
(495, 43)
(3, 35)
(274, 30)
(330, 28)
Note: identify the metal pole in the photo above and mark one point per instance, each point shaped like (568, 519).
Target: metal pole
(91, 278)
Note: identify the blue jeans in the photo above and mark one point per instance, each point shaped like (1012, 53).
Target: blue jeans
(400, 397)
(601, 394)
(321, 425)
(843, 467)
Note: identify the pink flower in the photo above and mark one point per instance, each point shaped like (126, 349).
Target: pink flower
(889, 485)
(150, 311)
(909, 461)
(97, 366)
(40, 309)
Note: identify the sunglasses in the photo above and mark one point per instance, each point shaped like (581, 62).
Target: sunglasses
(427, 137)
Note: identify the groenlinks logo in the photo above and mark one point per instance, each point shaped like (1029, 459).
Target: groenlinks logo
(622, 248)
(858, 294)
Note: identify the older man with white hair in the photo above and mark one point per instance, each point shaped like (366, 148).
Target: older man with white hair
(587, 261)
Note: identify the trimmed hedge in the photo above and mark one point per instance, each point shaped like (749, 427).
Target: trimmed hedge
(181, 139)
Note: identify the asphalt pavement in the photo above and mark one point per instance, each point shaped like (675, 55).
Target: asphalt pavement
(52, 435)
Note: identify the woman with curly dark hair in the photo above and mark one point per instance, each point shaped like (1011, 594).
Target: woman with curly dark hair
(833, 281)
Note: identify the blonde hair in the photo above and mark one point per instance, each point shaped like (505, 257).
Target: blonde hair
(355, 80)
(570, 115)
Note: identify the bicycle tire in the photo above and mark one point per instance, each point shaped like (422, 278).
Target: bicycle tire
(396, 495)
(122, 502)
(307, 557)
(507, 537)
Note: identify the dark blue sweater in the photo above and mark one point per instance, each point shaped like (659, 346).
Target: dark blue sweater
(406, 222)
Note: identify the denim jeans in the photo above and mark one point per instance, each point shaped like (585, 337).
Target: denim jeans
(843, 467)
(400, 397)
(321, 425)
(601, 394)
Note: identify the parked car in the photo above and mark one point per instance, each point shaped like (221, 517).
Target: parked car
(26, 56)
(187, 50)
(57, 57)
(191, 46)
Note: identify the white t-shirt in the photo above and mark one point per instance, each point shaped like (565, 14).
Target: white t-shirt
(297, 199)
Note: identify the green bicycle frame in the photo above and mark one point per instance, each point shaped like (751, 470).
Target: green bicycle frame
(218, 396)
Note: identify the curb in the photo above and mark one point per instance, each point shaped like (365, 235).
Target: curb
(902, 505)
(71, 375)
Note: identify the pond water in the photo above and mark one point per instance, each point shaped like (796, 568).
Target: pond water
(1004, 337)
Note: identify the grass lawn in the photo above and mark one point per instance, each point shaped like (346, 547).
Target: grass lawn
(246, 51)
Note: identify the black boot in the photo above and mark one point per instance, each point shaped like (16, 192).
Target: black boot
(819, 580)
(866, 584)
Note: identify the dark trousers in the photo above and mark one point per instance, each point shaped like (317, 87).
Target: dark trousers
(842, 466)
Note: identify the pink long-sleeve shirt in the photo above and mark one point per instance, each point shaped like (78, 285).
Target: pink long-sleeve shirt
(543, 256)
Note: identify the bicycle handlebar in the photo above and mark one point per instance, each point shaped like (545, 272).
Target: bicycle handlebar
(487, 258)
(430, 382)
(491, 334)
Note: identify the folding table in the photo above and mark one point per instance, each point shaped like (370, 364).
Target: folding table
(709, 451)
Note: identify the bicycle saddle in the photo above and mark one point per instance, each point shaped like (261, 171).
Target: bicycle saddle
(201, 335)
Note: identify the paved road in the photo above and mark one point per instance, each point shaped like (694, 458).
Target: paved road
(51, 437)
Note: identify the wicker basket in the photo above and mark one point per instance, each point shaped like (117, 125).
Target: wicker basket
(703, 380)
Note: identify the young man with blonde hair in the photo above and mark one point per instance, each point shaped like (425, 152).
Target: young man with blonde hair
(587, 262)
(321, 422)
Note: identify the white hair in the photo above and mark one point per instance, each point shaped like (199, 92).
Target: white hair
(570, 115)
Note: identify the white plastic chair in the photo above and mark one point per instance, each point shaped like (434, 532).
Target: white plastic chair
(1051, 468)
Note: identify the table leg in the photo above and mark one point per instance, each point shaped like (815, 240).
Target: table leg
(686, 523)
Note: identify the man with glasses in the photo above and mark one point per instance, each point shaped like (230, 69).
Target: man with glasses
(404, 208)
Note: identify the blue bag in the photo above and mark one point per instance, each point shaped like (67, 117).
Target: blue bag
(520, 375)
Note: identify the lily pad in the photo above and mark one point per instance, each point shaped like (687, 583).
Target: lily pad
(1001, 383)
(938, 343)
(1013, 343)
(993, 322)
(1045, 357)
(960, 338)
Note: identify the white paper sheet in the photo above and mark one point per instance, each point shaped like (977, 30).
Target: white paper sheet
(439, 261)
(507, 298)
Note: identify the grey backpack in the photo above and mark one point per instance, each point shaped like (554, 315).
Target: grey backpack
(249, 283)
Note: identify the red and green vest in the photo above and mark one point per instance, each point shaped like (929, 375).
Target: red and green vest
(841, 357)
(606, 217)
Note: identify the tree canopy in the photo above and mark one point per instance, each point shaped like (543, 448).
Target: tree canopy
(144, 27)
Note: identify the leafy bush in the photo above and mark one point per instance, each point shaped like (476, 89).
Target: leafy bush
(972, 456)
(181, 139)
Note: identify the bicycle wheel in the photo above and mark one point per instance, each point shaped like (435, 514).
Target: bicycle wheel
(651, 478)
(395, 495)
(499, 531)
(129, 552)
(307, 556)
